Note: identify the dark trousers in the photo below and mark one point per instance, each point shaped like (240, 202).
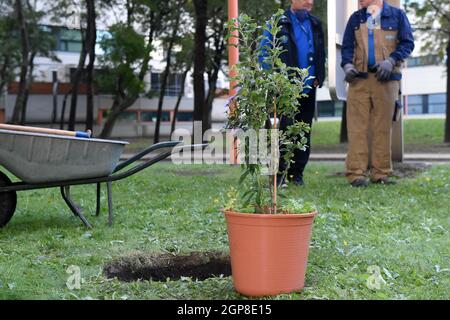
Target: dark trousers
(306, 114)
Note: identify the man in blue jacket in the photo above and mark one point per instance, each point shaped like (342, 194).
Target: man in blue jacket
(378, 38)
(304, 48)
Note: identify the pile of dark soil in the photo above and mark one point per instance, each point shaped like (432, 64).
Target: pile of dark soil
(402, 170)
(409, 170)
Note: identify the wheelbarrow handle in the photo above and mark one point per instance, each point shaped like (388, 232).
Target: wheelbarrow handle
(192, 146)
(143, 153)
(139, 167)
(149, 162)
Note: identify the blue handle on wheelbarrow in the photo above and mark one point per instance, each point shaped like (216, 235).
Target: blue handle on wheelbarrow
(82, 134)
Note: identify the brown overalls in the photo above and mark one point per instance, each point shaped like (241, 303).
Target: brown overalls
(370, 108)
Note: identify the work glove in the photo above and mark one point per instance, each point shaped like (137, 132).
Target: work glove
(384, 69)
(350, 72)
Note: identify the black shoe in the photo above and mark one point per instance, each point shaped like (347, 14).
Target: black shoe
(298, 181)
(385, 180)
(359, 183)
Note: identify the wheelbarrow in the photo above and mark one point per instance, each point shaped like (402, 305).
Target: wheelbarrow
(42, 160)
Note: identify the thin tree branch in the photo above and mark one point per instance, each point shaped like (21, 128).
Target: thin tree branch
(438, 10)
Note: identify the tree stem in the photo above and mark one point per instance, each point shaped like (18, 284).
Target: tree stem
(275, 173)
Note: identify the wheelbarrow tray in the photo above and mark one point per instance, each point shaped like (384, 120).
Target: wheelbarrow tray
(33, 158)
(40, 158)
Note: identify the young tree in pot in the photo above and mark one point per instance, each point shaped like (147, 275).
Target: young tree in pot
(268, 241)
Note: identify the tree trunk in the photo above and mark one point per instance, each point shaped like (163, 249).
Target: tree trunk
(27, 88)
(76, 79)
(63, 109)
(115, 109)
(447, 119)
(3, 73)
(180, 96)
(119, 106)
(55, 96)
(200, 7)
(165, 77)
(344, 135)
(25, 44)
(212, 81)
(111, 119)
(130, 12)
(91, 37)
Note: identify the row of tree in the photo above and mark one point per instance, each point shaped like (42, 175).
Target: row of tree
(191, 32)
(21, 40)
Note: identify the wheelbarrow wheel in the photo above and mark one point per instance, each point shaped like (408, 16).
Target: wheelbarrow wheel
(8, 201)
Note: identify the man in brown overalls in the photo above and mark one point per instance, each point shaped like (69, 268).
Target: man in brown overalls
(378, 38)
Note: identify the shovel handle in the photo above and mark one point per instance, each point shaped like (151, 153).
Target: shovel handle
(78, 134)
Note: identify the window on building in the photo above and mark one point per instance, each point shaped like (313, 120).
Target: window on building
(151, 116)
(415, 104)
(185, 116)
(330, 108)
(428, 60)
(128, 116)
(437, 103)
(173, 88)
(338, 108)
(325, 108)
(68, 40)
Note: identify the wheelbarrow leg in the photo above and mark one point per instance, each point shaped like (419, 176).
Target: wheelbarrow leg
(97, 211)
(65, 192)
(110, 204)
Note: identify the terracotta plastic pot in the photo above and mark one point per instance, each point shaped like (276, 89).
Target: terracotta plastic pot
(269, 253)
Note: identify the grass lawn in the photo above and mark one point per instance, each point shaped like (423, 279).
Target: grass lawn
(420, 136)
(402, 229)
